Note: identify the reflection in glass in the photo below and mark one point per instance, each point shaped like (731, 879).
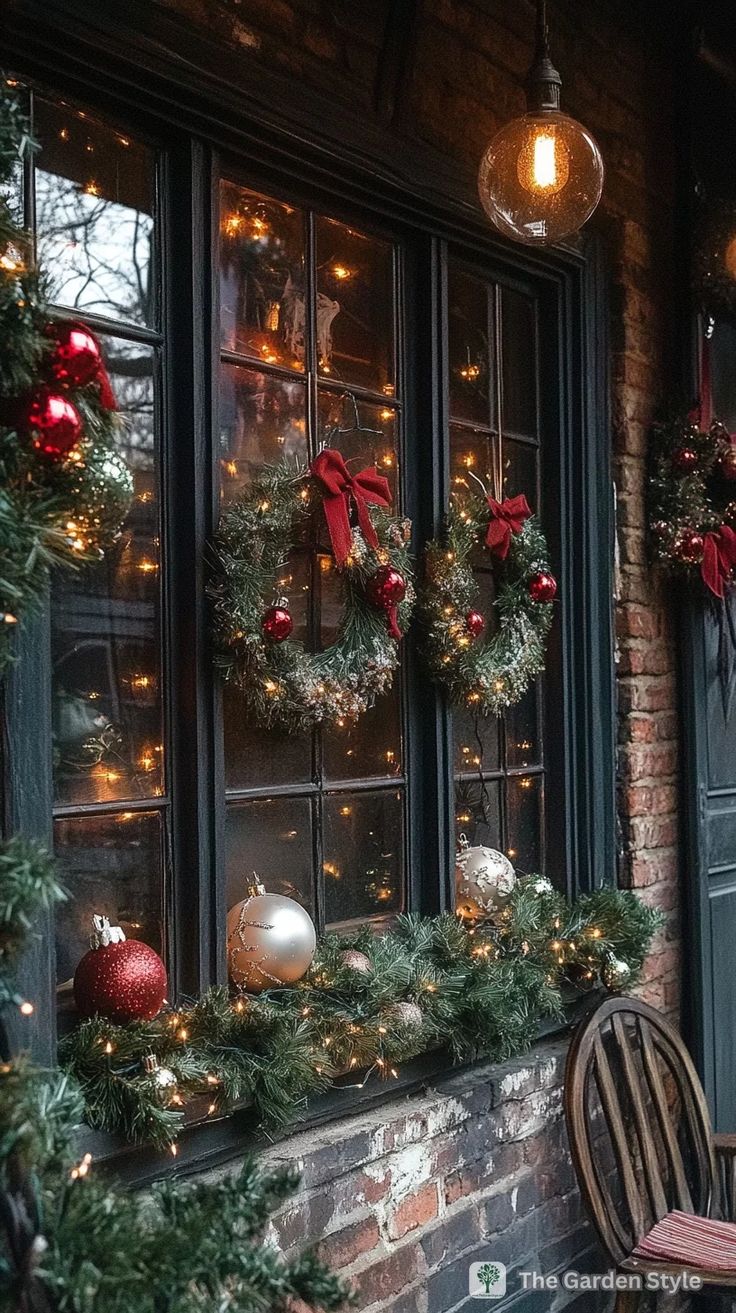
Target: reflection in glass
(262, 421)
(272, 837)
(522, 731)
(478, 812)
(472, 457)
(365, 434)
(524, 799)
(105, 627)
(476, 742)
(469, 348)
(94, 215)
(355, 310)
(363, 855)
(262, 306)
(521, 471)
(519, 371)
(369, 747)
(111, 866)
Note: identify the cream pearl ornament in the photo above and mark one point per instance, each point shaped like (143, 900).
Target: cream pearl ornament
(271, 940)
(483, 877)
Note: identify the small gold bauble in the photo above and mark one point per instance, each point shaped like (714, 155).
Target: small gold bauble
(405, 1014)
(354, 960)
(163, 1078)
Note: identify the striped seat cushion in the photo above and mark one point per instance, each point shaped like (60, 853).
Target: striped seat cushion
(699, 1242)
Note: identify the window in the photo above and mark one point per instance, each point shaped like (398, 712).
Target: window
(250, 314)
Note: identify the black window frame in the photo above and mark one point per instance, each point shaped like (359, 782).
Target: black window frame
(121, 70)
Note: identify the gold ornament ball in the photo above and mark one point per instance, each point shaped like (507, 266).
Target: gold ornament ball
(483, 876)
(271, 941)
(162, 1078)
(354, 960)
(406, 1014)
(615, 973)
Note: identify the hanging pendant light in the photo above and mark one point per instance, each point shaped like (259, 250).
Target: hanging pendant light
(542, 175)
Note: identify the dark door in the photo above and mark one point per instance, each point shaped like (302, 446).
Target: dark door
(710, 790)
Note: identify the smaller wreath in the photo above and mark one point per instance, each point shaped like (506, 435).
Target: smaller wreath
(284, 684)
(692, 514)
(492, 673)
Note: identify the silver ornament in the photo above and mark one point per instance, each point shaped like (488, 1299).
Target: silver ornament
(162, 1078)
(354, 960)
(270, 940)
(406, 1014)
(483, 876)
(615, 973)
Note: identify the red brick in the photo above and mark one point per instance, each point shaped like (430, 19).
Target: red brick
(414, 1211)
(343, 1247)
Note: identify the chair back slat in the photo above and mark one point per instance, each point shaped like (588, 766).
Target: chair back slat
(619, 1137)
(638, 1123)
(647, 1146)
(666, 1129)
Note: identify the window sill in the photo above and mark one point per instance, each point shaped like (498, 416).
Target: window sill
(213, 1142)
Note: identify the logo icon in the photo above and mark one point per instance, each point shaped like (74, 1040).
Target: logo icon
(487, 1280)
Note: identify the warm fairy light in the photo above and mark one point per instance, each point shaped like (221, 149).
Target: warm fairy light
(526, 782)
(11, 263)
(473, 697)
(470, 372)
(240, 1006)
(233, 224)
(387, 460)
(141, 681)
(304, 494)
(270, 687)
(123, 141)
(26, 1009)
(212, 1080)
(9, 619)
(63, 134)
(468, 460)
(325, 564)
(182, 1034)
(346, 811)
(82, 1168)
(386, 414)
(329, 868)
(92, 188)
(230, 467)
(109, 1048)
(341, 272)
(595, 932)
(264, 506)
(212, 1108)
(498, 685)
(147, 760)
(174, 1150)
(146, 566)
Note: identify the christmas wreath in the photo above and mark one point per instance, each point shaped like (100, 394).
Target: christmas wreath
(284, 683)
(63, 490)
(492, 673)
(692, 514)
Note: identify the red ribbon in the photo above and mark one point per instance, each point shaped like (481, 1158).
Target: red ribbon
(340, 487)
(507, 517)
(719, 559)
(107, 396)
(392, 618)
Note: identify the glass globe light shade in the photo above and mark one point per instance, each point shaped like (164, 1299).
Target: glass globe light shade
(541, 177)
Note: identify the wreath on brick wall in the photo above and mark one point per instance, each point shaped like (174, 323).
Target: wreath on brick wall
(285, 684)
(487, 673)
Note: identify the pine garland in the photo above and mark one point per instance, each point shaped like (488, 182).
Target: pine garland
(55, 511)
(486, 675)
(282, 682)
(430, 982)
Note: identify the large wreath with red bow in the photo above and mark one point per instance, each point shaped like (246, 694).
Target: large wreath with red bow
(346, 517)
(487, 671)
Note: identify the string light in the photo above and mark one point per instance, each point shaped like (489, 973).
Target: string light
(82, 1168)
(26, 1009)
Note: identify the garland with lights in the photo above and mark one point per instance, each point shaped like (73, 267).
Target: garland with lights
(63, 490)
(487, 674)
(283, 683)
(365, 1005)
(69, 1241)
(692, 514)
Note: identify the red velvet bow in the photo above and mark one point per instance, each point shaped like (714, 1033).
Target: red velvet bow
(507, 517)
(719, 559)
(339, 488)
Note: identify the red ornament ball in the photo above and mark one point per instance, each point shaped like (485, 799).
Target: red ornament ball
(121, 979)
(76, 359)
(475, 623)
(55, 424)
(387, 587)
(684, 460)
(727, 463)
(690, 546)
(542, 586)
(277, 624)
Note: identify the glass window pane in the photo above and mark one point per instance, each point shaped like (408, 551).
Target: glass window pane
(105, 627)
(365, 434)
(476, 742)
(523, 742)
(255, 756)
(355, 306)
(519, 321)
(112, 866)
(262, 421)
(524, 800)
(469, 348)
(369, 747)
(363, 855)
(262, 307)
(521, 471)
(478, 812)
(274, 838)
(94, 215)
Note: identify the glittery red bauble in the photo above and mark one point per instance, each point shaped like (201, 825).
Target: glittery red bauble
(690, 546)
(277, 623)
(684, 459)
(475, 623)
(123, 982)
(76, 359)
(542, 586)
(727, 464)
(387, 587)
(55, 424)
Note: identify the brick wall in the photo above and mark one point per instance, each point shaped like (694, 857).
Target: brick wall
(404, 1199)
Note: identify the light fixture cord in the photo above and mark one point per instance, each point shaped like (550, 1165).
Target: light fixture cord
(544, 81)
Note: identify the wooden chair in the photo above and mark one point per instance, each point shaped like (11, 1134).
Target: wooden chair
(643, 1146)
